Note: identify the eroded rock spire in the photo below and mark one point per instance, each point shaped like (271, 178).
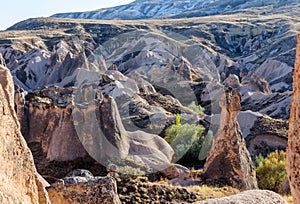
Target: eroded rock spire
(229, 160)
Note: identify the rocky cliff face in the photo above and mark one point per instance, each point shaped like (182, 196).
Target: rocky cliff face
(293, 161)
(229, 159)
(20, 182)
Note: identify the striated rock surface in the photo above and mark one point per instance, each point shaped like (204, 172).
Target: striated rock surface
(249, 197)
(229, 159)
(293, 151)
(80, 186)
(19, 180)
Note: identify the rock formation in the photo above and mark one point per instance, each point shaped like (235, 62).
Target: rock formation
(229, 159)
(249, 197)
(158, 57)
(20, 182)
(80, 186)
(262, 133)
(293, 149)
(82, 125)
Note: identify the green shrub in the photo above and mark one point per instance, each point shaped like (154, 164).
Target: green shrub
(185, 139)
(196, 108)
(271, 172)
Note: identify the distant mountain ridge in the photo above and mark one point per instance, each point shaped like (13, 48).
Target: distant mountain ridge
(148, 9)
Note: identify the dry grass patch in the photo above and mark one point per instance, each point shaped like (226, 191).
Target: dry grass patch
(208, 192)
(289, 199)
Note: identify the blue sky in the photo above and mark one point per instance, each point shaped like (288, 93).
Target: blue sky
(13, 11)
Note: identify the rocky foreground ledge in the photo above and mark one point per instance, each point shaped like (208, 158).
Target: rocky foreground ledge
(249, 197)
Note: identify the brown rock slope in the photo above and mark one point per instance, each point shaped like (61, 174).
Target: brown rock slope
(229, 160)
(293, 151)
(19, 180)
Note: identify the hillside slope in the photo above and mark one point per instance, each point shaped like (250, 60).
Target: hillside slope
(148, 9)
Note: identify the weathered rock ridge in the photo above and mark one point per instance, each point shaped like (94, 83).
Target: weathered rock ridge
(20, 182)
(229, 159)
(176, 9)
(293, 152)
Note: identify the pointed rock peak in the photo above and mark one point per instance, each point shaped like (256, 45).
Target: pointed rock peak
(229, 161)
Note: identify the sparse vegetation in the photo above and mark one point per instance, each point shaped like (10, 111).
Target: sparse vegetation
(271, 171)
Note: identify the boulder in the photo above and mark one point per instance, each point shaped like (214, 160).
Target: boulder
(20, 182)
(80, 186)
(177, 171)
(229, 159)
(151, 150)
(249, 197)
(293, 151)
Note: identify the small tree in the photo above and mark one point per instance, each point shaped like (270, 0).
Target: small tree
(271, 171)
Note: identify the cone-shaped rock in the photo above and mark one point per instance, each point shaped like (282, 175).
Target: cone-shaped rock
(229, 160)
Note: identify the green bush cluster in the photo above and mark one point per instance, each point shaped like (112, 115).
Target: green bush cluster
(271, 171)
(186, 140)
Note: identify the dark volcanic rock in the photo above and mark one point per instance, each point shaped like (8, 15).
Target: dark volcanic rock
(229, 159)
